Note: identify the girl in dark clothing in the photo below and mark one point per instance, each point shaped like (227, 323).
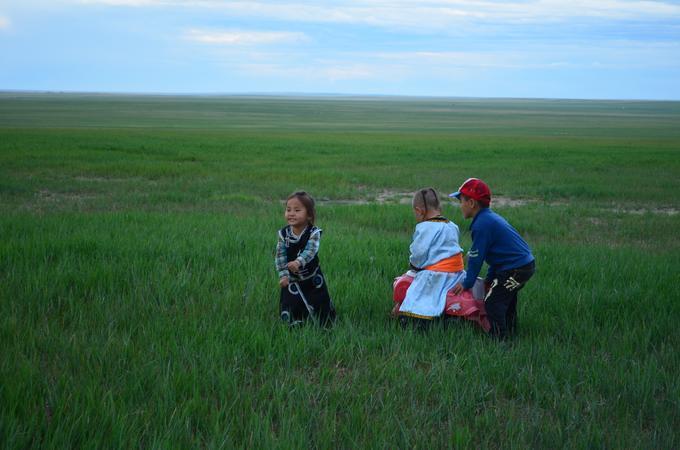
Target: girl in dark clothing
(304, 292)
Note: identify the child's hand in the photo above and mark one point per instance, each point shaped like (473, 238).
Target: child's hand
(457, 289)
(283, 282)
(294, 266)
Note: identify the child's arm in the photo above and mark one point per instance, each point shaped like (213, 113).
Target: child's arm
(281, 260)
(419, 248)
(476, 255)
(309, 252)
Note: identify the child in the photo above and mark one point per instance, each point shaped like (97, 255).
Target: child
(435, 257)
(303, 285)
(495, 241)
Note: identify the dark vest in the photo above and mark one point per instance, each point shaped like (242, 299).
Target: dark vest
(294, 248)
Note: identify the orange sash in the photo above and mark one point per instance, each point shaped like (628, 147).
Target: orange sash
(452, 264)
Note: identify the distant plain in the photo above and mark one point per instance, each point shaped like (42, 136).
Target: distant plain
(138, 299)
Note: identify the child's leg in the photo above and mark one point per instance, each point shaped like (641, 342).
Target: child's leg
(291, 308)
(327, 313)
(497, 304)
(323, 306)
(511, 316)
(284, 309)
(501, 301)
(318, 297)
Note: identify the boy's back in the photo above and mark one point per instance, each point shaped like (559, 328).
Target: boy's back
(495, 241)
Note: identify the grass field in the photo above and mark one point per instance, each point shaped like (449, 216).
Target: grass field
(138, 298)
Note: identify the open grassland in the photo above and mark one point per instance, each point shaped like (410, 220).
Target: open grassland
(138, 299)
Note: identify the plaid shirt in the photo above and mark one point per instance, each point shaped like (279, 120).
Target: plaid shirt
(309, 252)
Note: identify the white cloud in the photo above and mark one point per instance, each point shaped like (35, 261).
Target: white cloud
(376, 66)
(429, 14)
(241, 37)
(453, 59)
(130, 2)
(609, 54)
(366, 66)
(4, 23)
(330, 71)
(351, 72)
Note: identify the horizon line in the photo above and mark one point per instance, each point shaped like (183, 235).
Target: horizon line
(327, 95)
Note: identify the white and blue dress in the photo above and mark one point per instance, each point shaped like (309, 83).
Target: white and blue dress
(434, 240)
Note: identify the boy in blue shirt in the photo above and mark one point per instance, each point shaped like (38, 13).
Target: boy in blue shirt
(508, 256)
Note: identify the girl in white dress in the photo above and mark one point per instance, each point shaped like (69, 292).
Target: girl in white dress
(436, 258)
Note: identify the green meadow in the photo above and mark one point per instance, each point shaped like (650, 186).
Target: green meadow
(139, 300)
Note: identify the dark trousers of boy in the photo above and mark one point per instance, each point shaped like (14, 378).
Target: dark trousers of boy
(501, 300)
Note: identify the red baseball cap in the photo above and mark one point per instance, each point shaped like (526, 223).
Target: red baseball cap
(476, 189)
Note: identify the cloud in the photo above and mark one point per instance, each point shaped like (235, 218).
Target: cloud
(326, 71)
(376, 66)
(240, 37)
(434, 13)
(135, 3)
(4, 23)
(368, 66)
(620, 55)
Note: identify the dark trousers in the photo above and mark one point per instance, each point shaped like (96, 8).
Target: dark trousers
(501, 300)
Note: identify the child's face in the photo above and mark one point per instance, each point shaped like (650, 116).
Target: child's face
(296, 213)
(467, 206)
(419, 213)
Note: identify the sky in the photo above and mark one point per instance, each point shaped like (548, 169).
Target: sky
(599, 49)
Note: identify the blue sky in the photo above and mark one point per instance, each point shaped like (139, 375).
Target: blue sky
(609, 49)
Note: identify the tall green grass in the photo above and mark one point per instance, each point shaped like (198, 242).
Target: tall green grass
(138, 300)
